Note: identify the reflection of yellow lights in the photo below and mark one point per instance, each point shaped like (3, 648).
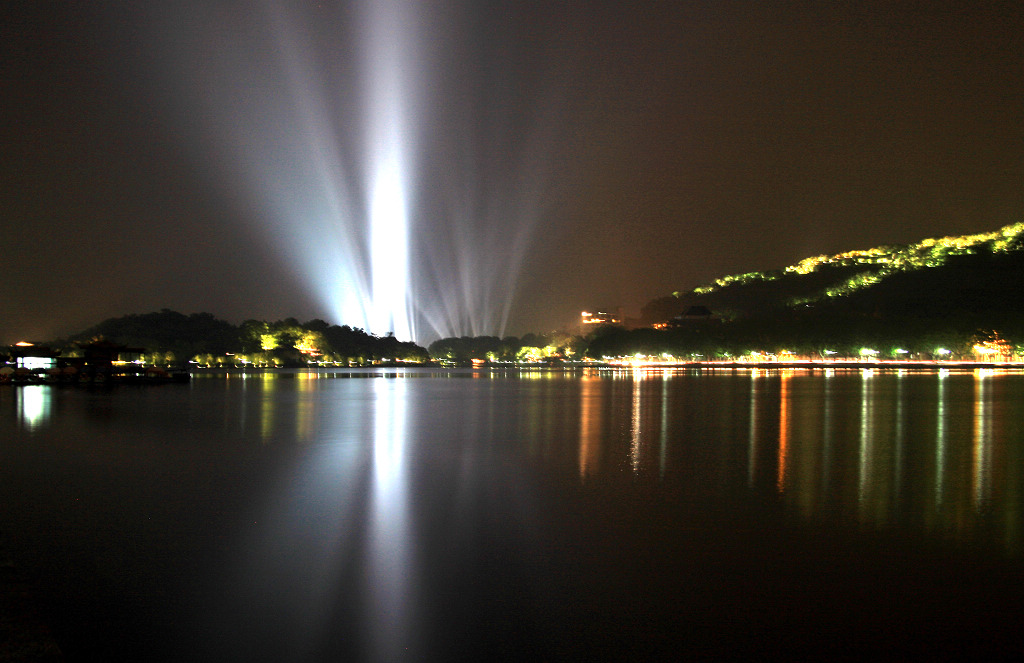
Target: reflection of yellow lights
(981, 475)
(783, 457)
(634, 447)
(590, 425)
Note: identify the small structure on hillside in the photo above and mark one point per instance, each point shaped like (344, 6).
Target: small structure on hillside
(693, 314)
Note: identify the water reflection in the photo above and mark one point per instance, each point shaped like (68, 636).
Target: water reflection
(784, 405)
(982, 456)
(649, 411)
(338, 523)
(754, 430)
(33, 404)
(867, 442)
(285, 406)
(590, 424)
(634, 446)
(305, 410)
(389, 546)
(267, 408)
(940, 439)
(373, 518)
(663, 437)
(880, 448)
(827, 435)
(900, 439)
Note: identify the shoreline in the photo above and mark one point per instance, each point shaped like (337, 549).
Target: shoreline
(565, 367)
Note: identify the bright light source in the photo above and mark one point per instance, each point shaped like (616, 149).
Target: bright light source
(389, 253)
(36, 363)
(868, 352)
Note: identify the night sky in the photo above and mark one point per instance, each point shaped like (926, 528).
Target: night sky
(563, 156)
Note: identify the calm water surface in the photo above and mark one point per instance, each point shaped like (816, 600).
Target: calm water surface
(436, 515)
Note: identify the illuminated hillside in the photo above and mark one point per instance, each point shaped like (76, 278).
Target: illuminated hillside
(877, 277)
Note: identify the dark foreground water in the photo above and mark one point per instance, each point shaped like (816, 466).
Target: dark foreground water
(425, 515)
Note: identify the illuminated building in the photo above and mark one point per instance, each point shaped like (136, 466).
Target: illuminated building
(599, 318)
(33, 357)
(994, 348)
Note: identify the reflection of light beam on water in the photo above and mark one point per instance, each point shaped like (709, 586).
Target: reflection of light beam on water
(388, 541)
(292, 563)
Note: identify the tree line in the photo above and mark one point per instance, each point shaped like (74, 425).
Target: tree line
(842, 328)
(170, 337)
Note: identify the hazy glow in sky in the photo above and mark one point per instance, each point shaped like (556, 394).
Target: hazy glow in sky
(328, 145)
(389, 53)
(543, 158)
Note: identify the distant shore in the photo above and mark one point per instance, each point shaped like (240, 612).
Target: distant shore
(825, 365)
(392, 370)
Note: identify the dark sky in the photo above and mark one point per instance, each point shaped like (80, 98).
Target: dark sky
(563, 156)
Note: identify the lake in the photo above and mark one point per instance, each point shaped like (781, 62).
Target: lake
(417, 514)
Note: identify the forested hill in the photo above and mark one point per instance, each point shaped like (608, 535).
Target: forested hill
(172, 337)
(966, 281)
